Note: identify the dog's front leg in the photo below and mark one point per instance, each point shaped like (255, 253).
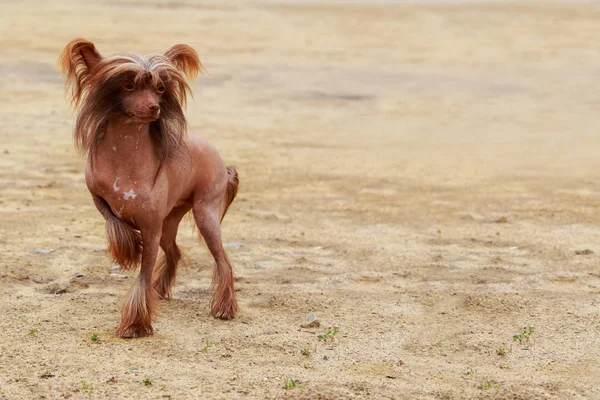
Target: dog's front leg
(138, 311)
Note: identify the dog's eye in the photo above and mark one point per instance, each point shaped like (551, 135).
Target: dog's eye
(160, 89)
(128, 86)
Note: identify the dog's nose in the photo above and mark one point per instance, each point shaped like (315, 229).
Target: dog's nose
(154, 107)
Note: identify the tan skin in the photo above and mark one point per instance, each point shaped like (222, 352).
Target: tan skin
(121, 173)
(145, 173)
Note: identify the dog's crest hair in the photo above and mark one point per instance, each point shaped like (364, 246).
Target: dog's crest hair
(94, 83)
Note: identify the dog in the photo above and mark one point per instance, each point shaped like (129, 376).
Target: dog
(145, 172)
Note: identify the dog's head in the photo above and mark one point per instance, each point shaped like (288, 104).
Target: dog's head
(141, 88)
(144, 89)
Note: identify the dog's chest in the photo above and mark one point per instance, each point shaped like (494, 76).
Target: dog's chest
(126, 195)
(124, 172)
(125, 187)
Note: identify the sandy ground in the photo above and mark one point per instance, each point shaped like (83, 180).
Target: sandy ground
(425, 178)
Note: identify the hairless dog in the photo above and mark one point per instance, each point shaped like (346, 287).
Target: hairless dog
(145, 173)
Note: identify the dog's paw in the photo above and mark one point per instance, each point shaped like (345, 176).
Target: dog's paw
(135, 331)
(162, 292)
(224, 310)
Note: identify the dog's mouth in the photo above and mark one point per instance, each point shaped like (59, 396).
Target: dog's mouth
(144, 118)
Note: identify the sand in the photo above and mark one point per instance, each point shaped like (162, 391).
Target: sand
(424, 177)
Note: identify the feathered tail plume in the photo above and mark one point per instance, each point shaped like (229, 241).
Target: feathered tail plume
(232, 188)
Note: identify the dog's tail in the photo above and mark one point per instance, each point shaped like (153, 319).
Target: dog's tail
(124, 242)
(232, 188)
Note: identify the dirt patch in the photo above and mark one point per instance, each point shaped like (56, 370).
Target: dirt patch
(422, 177)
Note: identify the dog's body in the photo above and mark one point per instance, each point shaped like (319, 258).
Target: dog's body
(145, 173)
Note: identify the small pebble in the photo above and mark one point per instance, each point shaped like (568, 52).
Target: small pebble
(120, 276)
(78, 274)
(42, 251)
(311, 321)
(466, 216)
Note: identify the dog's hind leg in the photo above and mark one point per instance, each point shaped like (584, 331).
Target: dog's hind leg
(223, 304)
(166, 269)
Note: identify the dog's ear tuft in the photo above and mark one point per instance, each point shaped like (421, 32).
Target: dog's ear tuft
(186, 60)
(76, 61)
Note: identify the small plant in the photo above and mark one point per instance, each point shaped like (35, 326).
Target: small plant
(306, 351)
(207, 345)
(487, 384)
(94, 337)
(524, 337)
(330, 334)
(147, 380)
(33, 331)
(87, 387)
(289, 384)
(501, 351)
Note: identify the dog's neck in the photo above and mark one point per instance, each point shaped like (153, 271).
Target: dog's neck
(122, 135)
(120, 127)
(126, 149)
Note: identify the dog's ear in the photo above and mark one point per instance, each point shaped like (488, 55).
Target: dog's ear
(76, 62)
(186, 60)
